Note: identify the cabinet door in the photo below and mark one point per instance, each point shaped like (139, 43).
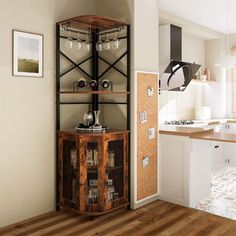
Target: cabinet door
(174, 164)
(231, 151)
(218, 155)
(116, 188)
(67, 168)
(232, 128)
(199, 171)
(92, 171)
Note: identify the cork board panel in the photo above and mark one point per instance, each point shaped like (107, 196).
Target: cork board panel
(147, 183)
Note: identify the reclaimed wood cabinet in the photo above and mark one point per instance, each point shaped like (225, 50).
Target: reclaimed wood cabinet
(93, 171)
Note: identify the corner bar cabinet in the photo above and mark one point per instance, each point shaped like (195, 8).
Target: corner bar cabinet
(93, 171)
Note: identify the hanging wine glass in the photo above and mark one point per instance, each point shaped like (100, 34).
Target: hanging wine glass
(115, 42)
(78, 42)
(99, 44)
(106, 44)
(87, 45)
(69, 41)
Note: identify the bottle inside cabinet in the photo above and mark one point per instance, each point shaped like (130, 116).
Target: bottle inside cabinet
(92, 172)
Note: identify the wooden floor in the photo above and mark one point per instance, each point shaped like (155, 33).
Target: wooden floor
(158, 218)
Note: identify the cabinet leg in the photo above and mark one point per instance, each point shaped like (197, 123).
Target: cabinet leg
(128, 208)
(57, 207)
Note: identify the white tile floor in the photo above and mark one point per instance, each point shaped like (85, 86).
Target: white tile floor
(222, 200)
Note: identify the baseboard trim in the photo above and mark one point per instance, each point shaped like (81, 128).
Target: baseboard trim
(145, 201)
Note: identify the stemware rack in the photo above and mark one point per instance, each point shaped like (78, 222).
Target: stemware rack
(94, 25)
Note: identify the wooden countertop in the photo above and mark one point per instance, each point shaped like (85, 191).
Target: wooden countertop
(184, 131)
(189, 131)
(219, 121)
(216, 136)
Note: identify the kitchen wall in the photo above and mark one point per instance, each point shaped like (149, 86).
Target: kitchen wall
(181, 105)
(27, 108)
(221, 90)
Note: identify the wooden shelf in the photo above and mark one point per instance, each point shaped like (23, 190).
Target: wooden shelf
(95, 92)
(88, 22)
(115, 168)
(95, 170)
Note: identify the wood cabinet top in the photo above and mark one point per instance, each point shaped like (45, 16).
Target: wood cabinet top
(88, 22)
(85, 133)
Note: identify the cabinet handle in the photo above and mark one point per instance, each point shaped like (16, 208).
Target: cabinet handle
(217, 146)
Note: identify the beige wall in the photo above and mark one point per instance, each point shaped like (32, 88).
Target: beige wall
(193, 49)
(27, 120)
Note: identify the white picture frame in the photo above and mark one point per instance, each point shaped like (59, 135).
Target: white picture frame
(27, 54)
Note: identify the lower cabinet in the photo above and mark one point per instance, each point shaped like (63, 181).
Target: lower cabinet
(199, 170)
(185, 169)
(174, 168)
(219, 155)
(231, 154)
(93, 171)
(186, 165)
(223, 155)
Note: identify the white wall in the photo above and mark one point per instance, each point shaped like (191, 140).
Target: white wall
(193, 49)
(146, 21)
(218, 93)
(27, 108)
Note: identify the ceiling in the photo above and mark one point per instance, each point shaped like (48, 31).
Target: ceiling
(209, 13)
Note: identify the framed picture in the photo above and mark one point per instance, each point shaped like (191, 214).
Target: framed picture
(27, 54)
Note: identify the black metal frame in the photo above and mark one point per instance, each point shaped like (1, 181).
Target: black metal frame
(94, 58)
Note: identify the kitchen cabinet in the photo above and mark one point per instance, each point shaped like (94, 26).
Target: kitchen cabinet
(199, 170)
(230, 157)
(218, 155)
(231, 128)
(185, 169)
(174, 158)
(223, 155)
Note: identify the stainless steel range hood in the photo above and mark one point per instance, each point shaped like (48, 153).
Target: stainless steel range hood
(175, 74)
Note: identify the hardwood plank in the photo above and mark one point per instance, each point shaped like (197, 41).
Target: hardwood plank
(93, 228)
(31, 228)
(33, 220)
(158, 218)
(72, 228)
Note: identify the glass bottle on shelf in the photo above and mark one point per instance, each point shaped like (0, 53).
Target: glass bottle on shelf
(111, 159)
(73, 161)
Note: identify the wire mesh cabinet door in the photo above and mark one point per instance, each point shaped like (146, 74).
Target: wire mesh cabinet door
(116, 177)
(92, 172)
(67, 172)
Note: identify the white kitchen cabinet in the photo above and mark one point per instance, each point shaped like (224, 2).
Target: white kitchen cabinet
(199, 171)
(230, 159)
(219, 155)
(185, 169)
(223, 155)
(174, 164)
(231, 127)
